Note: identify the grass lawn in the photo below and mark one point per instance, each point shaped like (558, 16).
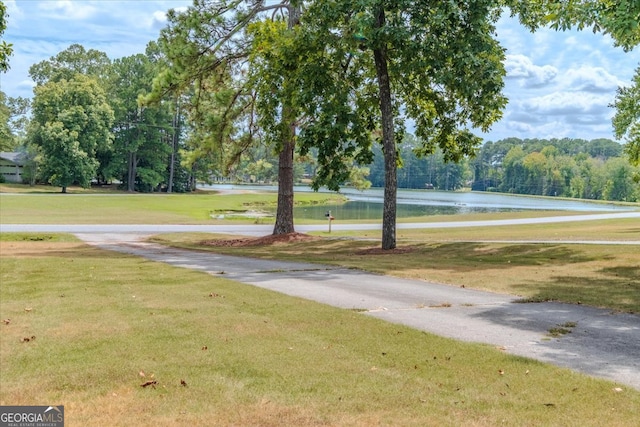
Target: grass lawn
(123, 208)
(216, 352)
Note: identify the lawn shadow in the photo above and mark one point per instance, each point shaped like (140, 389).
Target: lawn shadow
(618, 288)
(72, 250)
(479, 256)
(597, 342)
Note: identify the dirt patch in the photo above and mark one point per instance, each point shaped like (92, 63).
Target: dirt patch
(30, 248)
(261, 241)
(380, 251)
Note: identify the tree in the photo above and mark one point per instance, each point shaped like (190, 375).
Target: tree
(619, 181)
(206, 52)
(626, 122)
(65, 162)
(73, 60)
(143, 137)
(6, 49)
(433, 62)
(439, 64)
(7, 137)
(71, 124)
(66, 65)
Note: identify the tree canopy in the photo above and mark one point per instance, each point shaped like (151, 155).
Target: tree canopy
(626, 121)
(6, 49)
(71, 123)
(71, 61)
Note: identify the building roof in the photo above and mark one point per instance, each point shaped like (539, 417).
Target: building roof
(15, 157)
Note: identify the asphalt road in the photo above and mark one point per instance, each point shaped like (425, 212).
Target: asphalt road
(261, 230)
(602, 344)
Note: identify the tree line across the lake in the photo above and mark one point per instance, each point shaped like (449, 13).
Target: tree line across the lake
(230, 86)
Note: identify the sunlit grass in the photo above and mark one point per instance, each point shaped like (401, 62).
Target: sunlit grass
(223, 353)
(199, 208)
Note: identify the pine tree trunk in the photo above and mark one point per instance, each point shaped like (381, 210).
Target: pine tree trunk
(284, 212)
(131, 177)
(388, 143)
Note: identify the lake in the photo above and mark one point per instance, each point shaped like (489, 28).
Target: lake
(415, 203)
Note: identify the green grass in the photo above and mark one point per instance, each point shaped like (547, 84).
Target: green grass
(252, 357)
(55, 208)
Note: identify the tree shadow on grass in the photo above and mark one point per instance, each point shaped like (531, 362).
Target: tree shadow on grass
(67, 250)
(479, 256)
(618, 288)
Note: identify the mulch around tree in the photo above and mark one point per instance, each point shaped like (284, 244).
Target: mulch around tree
(296, 238)
(261, 241)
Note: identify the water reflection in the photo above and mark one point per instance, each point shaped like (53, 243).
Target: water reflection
(353, 210)
(416, 203)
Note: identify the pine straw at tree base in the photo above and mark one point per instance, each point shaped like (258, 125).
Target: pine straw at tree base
(271, 239)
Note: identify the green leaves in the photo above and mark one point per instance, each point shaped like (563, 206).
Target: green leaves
(71, 124)
(6, 49)
(626, 121)
(618, 18)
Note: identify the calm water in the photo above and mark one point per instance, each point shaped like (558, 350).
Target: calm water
(414, 203)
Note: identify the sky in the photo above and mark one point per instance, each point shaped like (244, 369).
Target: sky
(559, 84)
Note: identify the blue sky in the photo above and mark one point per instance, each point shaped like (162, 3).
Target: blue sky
(559, 84)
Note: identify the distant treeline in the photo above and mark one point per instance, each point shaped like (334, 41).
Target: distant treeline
(596, 169)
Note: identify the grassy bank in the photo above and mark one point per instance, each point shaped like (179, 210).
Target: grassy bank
(118, 208)
(215, 352)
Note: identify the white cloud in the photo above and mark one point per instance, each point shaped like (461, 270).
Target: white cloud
(591, 79)
(531, 75)
(68, 10)
(159, 18)
(568, 104)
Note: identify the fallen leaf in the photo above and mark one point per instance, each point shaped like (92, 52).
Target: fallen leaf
(204, 347)
(183, 383)
(500, 371)
(6, 321)
(149, 383)
(617, 389)
(141, 373)
(28, 309)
